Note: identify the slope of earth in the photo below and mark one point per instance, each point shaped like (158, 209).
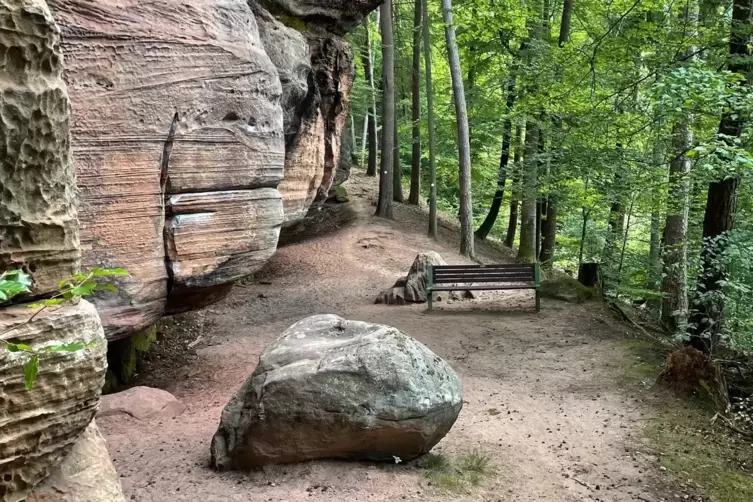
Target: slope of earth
(544, 400)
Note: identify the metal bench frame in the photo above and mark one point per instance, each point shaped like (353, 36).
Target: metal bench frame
(484, 278)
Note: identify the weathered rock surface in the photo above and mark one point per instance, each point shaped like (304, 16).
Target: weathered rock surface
(416, 281)
(178, 143)
(331, 388)
(86, 474)
(38, 224)
(39, 428)
(141, 403)
(337, 16)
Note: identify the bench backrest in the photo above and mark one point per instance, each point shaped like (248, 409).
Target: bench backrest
(465, 274)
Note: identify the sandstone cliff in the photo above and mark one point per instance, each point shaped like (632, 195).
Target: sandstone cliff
(185, 117)
(178, 142)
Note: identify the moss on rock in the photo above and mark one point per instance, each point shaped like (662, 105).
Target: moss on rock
(565, 288)
(123, 356)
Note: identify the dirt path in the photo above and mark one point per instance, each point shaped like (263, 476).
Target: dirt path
(542, 399)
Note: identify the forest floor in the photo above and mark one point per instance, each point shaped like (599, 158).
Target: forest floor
(562, 404)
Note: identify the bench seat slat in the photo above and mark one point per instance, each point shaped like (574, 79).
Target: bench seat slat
(484, 267)
(483, 288)
(471, 280)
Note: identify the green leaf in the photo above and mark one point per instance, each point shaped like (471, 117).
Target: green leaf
(85, 289)
(107, 287)
(69, 347)
(31, 370)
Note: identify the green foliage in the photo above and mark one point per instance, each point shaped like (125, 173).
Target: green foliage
(17, 282)
(13, 283)
(461, 474)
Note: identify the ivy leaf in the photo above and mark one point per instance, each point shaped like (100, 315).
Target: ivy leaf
(107, 287)
(31, 370)
(85, 289)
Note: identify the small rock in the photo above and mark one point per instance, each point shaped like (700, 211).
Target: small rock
(142, 403)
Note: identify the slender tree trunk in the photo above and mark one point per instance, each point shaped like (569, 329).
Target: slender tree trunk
(549, 225)
(426, 29)
(397, 170)
(674, 284)
(616, 229)
(708, 314)
(464, 148)
(548, 234)
(654, 276)
(384, 207)
(567, 11)
(527, 247)
(504, 159)
(415, 172)
(368, 65)
(512, 222)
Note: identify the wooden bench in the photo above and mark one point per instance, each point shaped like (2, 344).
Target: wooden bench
(483, 278)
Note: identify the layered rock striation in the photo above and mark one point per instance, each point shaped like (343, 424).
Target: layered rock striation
(199, 129)
(178, 142)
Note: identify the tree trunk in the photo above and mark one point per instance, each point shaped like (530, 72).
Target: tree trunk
(415, 171)
(527, 247)
(616, 228)
(512, 222)
(397, 170)
(549, 225)
(549, 234)
(674, 283)
(464, 148)
(504, 159)
(368, 64)
(430, 118)
(722, 194)
(567, 11)
(384, 207)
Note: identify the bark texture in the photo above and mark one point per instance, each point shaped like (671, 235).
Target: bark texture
(415, 171)
(674, 284)
(527, 247)
(384, 207)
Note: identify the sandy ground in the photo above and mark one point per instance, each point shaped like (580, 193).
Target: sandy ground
(542, 399)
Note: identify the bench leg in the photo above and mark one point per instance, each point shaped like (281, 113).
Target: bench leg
(429, 297)
(538, 302)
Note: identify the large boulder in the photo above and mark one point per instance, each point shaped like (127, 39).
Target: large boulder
(38, 223)
(40, 427)
(179, 147)
(331, 388)
(418, 276)
(86, 474)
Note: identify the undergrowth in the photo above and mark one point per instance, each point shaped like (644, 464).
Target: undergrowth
(691, 451)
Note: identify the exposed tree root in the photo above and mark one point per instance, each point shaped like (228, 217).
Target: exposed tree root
(690, 370)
